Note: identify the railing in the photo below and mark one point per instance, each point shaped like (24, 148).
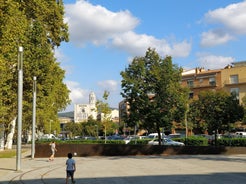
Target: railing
(202, 85)
(240, 81)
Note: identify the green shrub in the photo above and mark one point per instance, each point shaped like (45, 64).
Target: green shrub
(193, 141)
(82, 141)
(231, 142)
(189, 141)
(140, 141)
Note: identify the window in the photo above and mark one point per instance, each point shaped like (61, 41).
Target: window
(212, 81)
(235, 91)
(190, 83)
(234, 79)
(191, 95)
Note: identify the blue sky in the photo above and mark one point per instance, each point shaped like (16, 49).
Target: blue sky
(105, 35)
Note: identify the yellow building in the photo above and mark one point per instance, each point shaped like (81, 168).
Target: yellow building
(233, 79)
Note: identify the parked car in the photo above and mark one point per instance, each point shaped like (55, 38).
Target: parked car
(89, 138)
(155, 135)
(131, 138)
(240, 134)
(166, 141)
(48, 136)
(177, 135)
(115, 137)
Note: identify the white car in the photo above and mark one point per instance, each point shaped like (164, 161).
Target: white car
(166, 141)
(48, 136)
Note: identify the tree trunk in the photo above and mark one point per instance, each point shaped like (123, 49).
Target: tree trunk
(1, 137)
(9, 142)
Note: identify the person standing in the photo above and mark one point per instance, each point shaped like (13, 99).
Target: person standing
(71, 168)
(53, 150)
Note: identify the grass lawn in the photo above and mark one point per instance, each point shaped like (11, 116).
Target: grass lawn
(7, 153)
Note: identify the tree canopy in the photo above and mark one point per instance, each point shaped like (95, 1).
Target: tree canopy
(151, 86)
(105, 112)
(39, 28)
(216, 110)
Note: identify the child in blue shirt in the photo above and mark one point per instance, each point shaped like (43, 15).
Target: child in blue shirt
(71, 168)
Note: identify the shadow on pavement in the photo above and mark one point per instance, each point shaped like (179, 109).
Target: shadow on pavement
(214, 178)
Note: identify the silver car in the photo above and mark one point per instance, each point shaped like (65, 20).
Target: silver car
(166, 141)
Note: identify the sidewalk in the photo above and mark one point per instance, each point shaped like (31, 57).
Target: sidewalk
(190, 169)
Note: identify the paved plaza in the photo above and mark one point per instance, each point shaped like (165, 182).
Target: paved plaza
(182, 169)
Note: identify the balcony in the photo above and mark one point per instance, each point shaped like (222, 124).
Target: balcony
(203, 85)
(241, 81)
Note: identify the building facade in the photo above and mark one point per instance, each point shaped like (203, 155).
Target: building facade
(83, 111)
(199, 79)
(233, 79)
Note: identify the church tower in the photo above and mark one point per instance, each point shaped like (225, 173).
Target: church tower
(83, 111)
(92, 99)
(92, 103)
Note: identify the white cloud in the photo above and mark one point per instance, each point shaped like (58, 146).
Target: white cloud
(213, 62)
(109, 85)
(232, 17)
(95, 24)
(137, 45)
(230, 22)
(63, 60)
(215, 37)
(77, 94)
(58, 55)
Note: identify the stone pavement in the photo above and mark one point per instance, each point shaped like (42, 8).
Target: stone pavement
(182, 169)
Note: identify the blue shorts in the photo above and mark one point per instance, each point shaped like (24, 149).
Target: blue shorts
(70, 173)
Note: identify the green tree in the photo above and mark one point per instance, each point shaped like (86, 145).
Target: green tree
(195, 117)
(91, 127)
(217, 109)
(38, 27)
(12, 34)
(244, 106)
(104, 110)
(74, 129)
(151, 86)
(46, 30)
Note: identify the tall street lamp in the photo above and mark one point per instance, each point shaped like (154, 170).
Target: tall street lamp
(20, 94)
(34, 116)
(97, 130)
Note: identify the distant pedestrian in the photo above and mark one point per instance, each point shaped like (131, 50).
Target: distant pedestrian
(71, 168)
(53, 150)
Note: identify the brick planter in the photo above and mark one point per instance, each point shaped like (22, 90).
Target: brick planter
(43, 150)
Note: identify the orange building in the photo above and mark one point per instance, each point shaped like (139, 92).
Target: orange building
(199, 79)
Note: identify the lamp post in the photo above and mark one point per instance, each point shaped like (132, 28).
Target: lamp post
(97, 131)
(34, 116)
(20, 94)
(50, 126)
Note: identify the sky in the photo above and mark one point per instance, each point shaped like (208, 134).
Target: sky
(105, 35)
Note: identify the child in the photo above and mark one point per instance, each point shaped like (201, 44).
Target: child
(71, 167)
